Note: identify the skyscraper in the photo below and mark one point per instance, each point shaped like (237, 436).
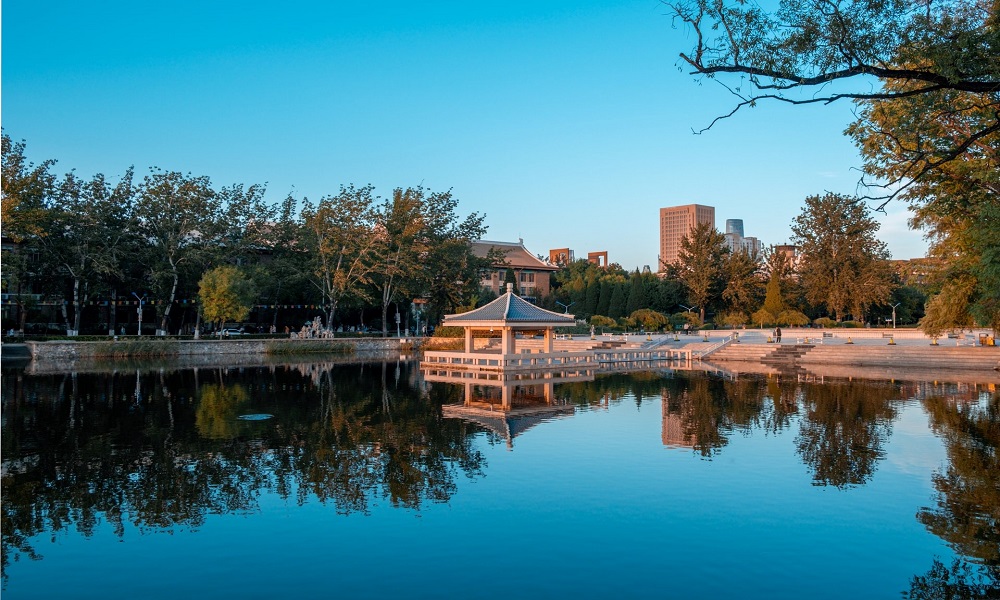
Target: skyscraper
(675, 224)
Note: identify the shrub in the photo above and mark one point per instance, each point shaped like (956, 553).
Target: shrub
(792, 318)
(449, 332)
(852, 324)
(825, 322)
(731, 319)
(762, 317)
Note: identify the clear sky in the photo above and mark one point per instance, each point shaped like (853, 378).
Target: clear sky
(567, 122)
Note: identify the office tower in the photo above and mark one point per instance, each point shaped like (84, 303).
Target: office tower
(675, 224)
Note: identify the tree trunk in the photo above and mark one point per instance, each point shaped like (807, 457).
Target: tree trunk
(170, 300)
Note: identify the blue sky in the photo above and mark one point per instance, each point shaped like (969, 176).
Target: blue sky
(568, 123)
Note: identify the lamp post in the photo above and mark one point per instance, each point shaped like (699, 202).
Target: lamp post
(894, 314)
(565, 306)
(139, 310)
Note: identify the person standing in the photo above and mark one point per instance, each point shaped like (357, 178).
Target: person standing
(777, 334)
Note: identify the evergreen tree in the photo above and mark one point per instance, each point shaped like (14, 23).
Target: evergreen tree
(619, 301)
(637, 294)
(593, 296)
(604, 301)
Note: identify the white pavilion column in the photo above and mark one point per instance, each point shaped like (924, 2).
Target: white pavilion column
(507, 340)
(468, 340)
(548, 340)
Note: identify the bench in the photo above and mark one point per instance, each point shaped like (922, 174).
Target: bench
(827, 334)
(888, 335)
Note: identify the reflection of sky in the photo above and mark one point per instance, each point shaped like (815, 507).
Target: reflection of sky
(915, 450)
(590, 506)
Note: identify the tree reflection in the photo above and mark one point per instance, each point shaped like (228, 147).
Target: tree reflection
(966, 514)
(844, 429)
(164, 450)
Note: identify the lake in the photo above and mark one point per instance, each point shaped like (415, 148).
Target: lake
(373, 480)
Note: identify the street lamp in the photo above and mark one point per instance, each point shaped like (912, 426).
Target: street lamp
(894, 314)
(565, 306)
(139, 310)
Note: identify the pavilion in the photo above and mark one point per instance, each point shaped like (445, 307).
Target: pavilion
(510, 315)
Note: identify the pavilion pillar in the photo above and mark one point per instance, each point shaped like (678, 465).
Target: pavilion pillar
(507, 340)
(548, 340)
(468, 340)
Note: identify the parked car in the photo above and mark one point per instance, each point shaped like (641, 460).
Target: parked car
(232, 332)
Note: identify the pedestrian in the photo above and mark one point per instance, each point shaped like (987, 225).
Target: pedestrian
(777, 334)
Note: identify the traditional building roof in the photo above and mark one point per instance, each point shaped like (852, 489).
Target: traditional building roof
(516, 255)
(509, 309)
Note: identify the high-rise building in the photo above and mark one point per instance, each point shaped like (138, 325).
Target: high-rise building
(734, 226)
(675, 224)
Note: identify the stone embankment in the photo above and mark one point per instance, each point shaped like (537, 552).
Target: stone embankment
(69, 350)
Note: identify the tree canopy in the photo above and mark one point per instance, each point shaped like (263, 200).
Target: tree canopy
(914, 50)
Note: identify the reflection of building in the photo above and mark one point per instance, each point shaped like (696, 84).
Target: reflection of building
(672, 432)
(532, 273)
(676, 222)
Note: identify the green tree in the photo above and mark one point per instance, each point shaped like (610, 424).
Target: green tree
(650, 320)
(604, 303)
(91, 230)
(619, 300)
(742, 291)
(26, 189)
(341, 238)
(401, 233)
(921, 54)
(701, 264)
(637, 293)
(843, 266)
(179, 217)
(225, 294)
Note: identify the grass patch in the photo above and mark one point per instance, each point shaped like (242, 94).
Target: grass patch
(308, 346)
(145, 348)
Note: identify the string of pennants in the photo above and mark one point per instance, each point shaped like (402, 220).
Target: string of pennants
(185, 302)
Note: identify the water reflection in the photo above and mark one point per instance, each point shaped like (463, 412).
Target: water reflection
(162, 449)
(966, 513)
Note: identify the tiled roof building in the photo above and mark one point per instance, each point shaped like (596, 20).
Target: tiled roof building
(532, 273)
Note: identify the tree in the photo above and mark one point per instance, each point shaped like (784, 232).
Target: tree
(91, 228)
(742, 276)
(650, 320)
(700, 265)
(26, 188)
(225, 294)
(340, 235)
(916, 50)
(401, 229)
(843, 266)
(637, 293)
(179, 217)
(451, 272)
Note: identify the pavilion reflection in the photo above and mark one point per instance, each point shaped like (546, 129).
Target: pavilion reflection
(508, 404)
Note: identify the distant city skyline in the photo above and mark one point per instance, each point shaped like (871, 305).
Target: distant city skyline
(568, 123)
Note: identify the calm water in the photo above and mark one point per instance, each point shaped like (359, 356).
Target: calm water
(369, 482)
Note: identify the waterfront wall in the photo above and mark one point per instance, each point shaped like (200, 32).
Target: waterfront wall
(70, 350)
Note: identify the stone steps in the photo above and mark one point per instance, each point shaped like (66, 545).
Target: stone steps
(890, 356)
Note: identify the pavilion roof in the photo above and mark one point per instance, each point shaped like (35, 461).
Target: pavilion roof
(510, 309)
